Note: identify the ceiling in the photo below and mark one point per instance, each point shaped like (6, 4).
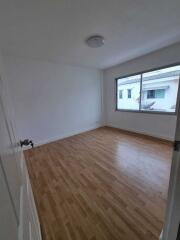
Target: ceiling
(55, 30)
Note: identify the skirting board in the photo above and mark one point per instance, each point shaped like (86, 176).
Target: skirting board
(62, 136)
(170, 140)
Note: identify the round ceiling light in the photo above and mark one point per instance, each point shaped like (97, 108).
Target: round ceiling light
(95, 41)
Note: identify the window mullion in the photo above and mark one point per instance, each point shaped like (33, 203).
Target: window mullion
(140, 93)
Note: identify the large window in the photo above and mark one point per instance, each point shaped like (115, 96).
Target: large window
(154, 91)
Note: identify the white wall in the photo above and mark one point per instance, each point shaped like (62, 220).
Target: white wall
(52, 101)
(162, 126)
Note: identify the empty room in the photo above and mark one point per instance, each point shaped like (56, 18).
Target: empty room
(89, 120)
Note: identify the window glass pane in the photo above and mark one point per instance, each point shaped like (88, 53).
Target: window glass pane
(160, 93)
(128, 92)
(159, 89)
(150, 93)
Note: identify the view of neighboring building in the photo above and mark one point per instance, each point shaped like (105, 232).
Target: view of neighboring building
(151, 91)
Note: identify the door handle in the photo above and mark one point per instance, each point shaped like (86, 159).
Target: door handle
(27, 142)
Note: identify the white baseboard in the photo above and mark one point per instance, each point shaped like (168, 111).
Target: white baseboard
(143, 132)
(65, 135)
(75, 132)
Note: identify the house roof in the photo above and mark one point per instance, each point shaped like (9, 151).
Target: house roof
(148, 78)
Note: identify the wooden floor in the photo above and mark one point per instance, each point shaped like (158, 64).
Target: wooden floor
(101, 185)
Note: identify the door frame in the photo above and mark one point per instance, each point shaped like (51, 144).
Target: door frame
(172, 218)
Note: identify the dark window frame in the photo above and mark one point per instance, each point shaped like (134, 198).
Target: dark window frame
(144, 111)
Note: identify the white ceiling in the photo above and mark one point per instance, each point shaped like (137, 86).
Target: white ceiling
(55, 30)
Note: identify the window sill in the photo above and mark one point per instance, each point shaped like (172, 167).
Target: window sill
(148, 112)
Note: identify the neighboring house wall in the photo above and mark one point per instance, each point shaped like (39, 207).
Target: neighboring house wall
(133, 102)
(158, 125)
(52, 101)
(166, 101)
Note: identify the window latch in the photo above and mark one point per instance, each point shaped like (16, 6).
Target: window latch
(177, 146)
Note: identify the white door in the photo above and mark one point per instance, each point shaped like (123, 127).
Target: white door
(8, 160)
(8, 221)
(172, 220)
(18, 216)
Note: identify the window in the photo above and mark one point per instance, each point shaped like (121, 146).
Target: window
(129, 93)
(151, 94)
(160, 93)
(120, 94)
(154, 91)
